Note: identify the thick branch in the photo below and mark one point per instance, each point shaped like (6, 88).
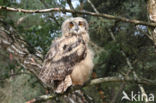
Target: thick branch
(13, 43)
(119, 79)
(137, 22)
(92, 82)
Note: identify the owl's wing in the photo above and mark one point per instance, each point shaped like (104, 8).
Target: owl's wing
(62, 56)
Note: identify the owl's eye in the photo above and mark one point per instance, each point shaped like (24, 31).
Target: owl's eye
(80, 23)
(71, 24)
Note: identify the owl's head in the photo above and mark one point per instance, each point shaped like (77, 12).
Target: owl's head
(74, 26)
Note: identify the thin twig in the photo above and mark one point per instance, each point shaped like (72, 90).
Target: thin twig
(51, 15)
(134, 21)
(130, 69)
(71, 7)
(92, 5)
(113, 37)
(128, 63)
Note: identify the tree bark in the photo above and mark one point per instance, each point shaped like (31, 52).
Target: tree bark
(12, 42)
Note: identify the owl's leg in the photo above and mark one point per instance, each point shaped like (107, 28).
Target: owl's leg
(63, 86)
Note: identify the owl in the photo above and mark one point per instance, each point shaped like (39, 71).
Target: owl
(69, 60)
(151, 7)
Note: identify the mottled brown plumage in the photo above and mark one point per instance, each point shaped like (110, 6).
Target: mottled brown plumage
(69, 60)
(151, 7)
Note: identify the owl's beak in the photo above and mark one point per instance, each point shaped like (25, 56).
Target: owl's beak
(76, 29)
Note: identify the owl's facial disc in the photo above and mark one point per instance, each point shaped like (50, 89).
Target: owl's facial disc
(76, 27)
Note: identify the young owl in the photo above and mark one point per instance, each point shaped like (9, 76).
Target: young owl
(69, 60)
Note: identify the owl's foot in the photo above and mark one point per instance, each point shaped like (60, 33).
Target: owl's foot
(63, 86)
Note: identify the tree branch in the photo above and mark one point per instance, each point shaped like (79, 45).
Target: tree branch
(42, 98)
(119, 79)
(92, 82)
(134, 21)
(92, 5)
(128, 63)
(130, 69)
(71, 7)
(14, 43)
(51, 15)
(113, 37)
